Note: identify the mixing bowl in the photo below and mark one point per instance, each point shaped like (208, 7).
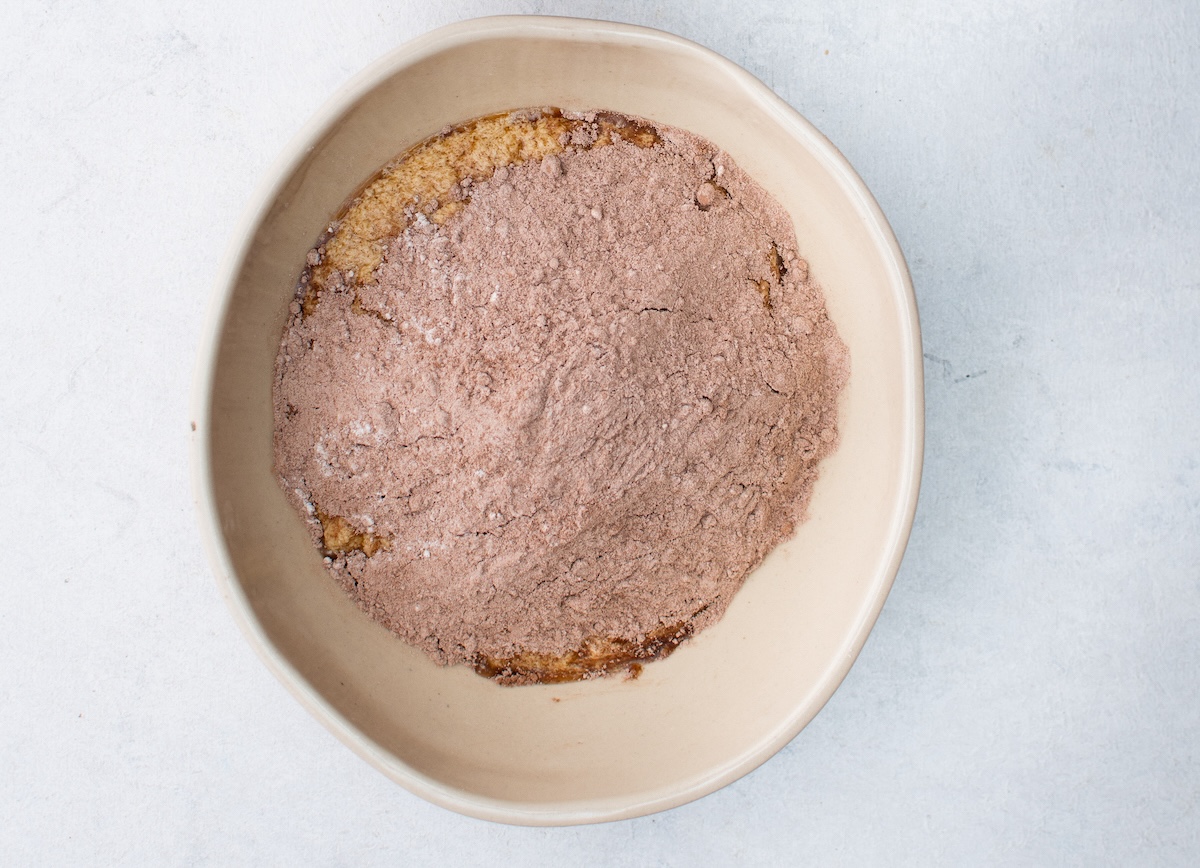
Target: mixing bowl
(727, 699)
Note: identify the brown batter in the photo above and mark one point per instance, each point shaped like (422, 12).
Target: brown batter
(549, 397)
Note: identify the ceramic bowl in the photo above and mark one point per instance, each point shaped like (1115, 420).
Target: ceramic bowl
(727, 699)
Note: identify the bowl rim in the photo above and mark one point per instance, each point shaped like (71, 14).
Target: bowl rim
(577, 29)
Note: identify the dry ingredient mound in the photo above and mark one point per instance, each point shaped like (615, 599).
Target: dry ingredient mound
(551, 432)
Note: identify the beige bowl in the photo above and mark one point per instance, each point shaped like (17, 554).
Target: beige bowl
(727, 699)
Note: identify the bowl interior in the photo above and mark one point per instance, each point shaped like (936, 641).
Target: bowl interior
(726, 699)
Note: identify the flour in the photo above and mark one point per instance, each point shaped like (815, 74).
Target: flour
(587, 405)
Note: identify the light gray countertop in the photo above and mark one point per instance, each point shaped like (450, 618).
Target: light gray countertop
(1030, 693)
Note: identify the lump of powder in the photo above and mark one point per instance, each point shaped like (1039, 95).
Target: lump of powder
(562, 426)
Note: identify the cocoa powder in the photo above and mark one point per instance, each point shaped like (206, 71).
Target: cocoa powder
(587, 405)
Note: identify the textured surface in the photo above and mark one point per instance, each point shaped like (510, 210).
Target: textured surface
(1028, 696)
(583, 408)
